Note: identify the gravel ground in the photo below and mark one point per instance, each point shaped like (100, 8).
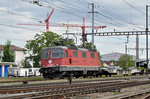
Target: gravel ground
(115, 95)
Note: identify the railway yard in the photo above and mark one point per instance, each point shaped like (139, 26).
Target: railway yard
(95, 88)
(71, 59)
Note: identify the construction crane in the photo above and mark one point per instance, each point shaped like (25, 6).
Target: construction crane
(46, 21)
(66, 25)
(83, 29)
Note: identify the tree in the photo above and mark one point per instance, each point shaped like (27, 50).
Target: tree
(46, 39)
(126, 61)
(113, 62)
(102, 63)
(89, 46)
(8, 55)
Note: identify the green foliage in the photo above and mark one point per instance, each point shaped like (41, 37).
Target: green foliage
(26, 63)
(46, 39)
(64, 42)
(114, 62)
(8, 54)
(102, 63)
(141, 68)
(126, 61)
(89, 45)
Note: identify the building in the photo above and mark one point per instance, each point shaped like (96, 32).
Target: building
(106, 58)
(18, 53)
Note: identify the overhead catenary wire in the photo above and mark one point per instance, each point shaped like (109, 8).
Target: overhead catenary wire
(18, 27)
(10, 12)
(113, 16)
(133, 7)
(61, 8)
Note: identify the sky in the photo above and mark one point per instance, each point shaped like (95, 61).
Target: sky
(121, 15)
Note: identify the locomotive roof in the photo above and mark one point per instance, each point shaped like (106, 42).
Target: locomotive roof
(69, 47)
(64, 47)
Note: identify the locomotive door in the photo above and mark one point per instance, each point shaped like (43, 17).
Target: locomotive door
(70, 57)
(70, 61)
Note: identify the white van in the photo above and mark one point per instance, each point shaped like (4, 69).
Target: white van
(17, 72)
(34, 72)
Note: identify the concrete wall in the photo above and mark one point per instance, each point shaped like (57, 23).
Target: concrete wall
(1, 55)
(19, 57)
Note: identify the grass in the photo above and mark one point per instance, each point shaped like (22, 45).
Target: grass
(58, 80)
(116, 93)
(20, 79)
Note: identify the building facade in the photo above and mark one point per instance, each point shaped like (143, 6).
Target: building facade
(18, 53)
(107, 58)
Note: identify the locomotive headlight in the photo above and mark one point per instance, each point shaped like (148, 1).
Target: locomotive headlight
(57, 64)
(49, 61)
(43, 65)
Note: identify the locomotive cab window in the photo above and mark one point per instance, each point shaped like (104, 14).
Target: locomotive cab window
(57, 53)
(75, 54)
(92, 55)
(45, 54)
(83, 54)
(66, 53)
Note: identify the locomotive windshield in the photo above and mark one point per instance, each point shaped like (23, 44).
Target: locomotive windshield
(57, 53)
(45, 54)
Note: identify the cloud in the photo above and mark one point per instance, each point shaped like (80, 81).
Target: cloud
(115, 14)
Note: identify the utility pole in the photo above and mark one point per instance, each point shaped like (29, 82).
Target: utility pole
(93, 24)
(126, 44)
(147, 36)
(137, 48)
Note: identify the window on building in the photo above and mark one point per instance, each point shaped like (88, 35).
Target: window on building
(92, 55)
(75, 54)
(83, 54)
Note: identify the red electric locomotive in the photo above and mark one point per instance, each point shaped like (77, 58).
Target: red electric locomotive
(61, 61)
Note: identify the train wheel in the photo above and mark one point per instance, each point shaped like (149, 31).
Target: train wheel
(100, 75)
(109, 75)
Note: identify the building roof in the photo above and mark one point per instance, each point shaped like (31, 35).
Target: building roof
(113, 56)
(12, 47)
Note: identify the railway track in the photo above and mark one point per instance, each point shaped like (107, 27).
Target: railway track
(32, 87)
(50, 82)
(111, 78)
(23, 89)
(68, 90)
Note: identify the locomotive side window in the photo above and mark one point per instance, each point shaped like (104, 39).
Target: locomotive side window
(92, 55)
(75, 54)
(45, 54)
(62, 53)
(57, 53)
(99, 56)
(83, 54)
(66, 53)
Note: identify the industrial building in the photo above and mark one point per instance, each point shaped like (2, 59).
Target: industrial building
(106, 58)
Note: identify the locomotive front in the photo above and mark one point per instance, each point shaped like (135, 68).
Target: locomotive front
(51, 59)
